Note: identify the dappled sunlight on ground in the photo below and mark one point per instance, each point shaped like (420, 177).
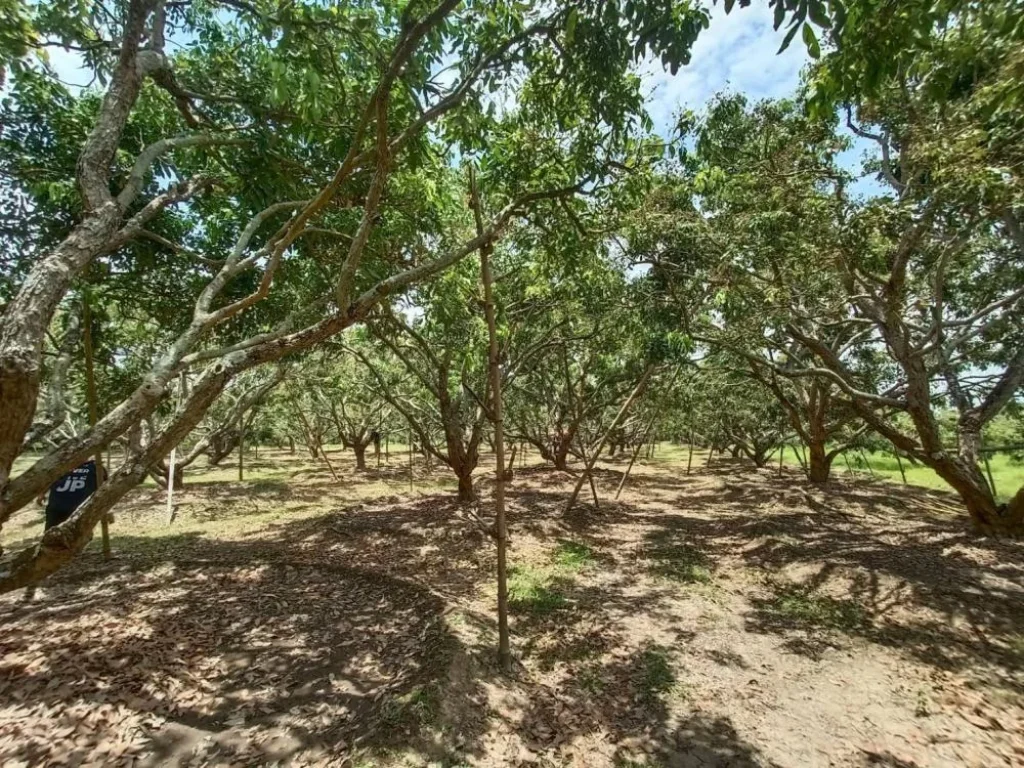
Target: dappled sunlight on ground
(731, 616)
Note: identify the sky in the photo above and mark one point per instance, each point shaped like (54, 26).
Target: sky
(737, 52)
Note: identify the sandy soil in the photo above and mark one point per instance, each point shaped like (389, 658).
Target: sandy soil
(731, 617)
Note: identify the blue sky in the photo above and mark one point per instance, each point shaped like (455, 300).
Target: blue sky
(737, 52)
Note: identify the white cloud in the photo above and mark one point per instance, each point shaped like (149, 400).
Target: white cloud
(737, 53)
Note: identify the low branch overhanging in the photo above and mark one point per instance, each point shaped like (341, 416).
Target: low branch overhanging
(62, 543)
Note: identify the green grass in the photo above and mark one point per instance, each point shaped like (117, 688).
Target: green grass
(573, 556)
(420, 706)
(817, 611)
(590, 680)
(680, 562)
(533, 590)
(657, 676)
(539, 589)
(1007, 475)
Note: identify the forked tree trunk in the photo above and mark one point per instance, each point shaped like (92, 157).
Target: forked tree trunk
(761, 454)
(560, 457)
(159, 473)
(466, 493)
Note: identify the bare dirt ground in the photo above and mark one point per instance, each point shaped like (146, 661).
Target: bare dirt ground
(726, 618)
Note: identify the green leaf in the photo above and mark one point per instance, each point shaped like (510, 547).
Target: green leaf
(728, 5)
(818, 13)
(570, 25)
(813, 49)
(788, 38)
(780, 13)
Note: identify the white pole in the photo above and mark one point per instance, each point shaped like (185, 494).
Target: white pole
(170, 488)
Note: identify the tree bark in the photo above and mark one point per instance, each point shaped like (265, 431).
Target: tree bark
(360, 451)
(820, 462)
(466, 492)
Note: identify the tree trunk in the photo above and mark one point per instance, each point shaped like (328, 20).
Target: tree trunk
(760, 455)
(494, 370)
(466, 493)
(360, 451)
(987, 515)
(820, 462)
(159, 473)
(560, 458)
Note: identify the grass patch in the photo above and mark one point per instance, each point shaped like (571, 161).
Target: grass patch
(533, 590)
(1015, 644)
(656, 677)
(680, 562)
(798, 606)
(573, 556)
(418, 707)
(590, 680)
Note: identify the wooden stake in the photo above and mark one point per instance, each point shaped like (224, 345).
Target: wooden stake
(867, 463)
(848, 467)
(241, 447)
(494, 370)
(782, 455)
(90, 395)
(988, 470)
(711, 450)
(182, 394)
(170, 485)
(637, 391)
(629, 467)
(899, 463)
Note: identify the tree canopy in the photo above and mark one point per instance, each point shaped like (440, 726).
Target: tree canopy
(265, 217)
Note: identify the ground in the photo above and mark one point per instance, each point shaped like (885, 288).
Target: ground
(726, 617)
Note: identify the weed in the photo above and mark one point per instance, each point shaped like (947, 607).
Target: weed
(417, 707)
(921, 703)
(1016, 644)
(533, 590)
(682, 563)
(590, 680)
(801, 607)
(573, 556)
(656, 675)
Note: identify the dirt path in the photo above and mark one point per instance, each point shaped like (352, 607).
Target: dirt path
(728, 618)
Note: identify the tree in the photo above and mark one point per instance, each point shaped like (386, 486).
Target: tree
(325, 108)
